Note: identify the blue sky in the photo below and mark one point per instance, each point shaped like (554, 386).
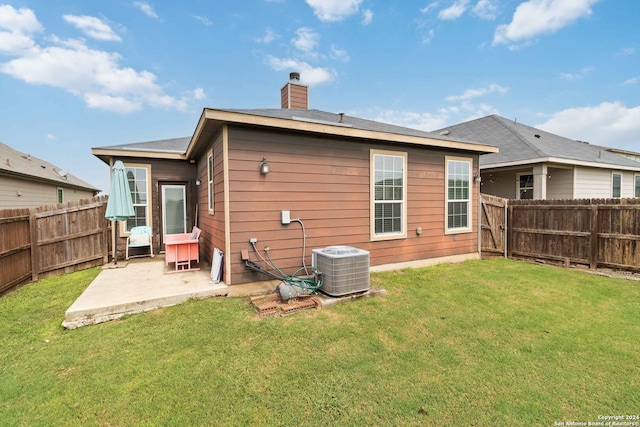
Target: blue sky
(77, 74)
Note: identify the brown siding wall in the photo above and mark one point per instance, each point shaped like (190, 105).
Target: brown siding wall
(325, 183)
(212, 224)
(168, 172)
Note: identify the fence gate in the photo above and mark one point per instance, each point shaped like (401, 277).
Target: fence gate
(494, 224)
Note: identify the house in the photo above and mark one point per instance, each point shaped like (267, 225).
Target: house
(295, 179)
(534, 164)
(26, 182)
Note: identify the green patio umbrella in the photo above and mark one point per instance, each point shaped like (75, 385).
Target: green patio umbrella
(119, 204)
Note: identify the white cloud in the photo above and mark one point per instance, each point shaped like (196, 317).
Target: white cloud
(206, 21)
(306, 40)
(339, 54)
(486, 9)
(308, 74)
(611, 124)
(146, 9)
(17, 28)
(632, 81)
(21, 20)
(51, 137)
(334, 10)
(410, 119)
(430, 7)
(93, 75)
(426, 39)
(198, 93)
(576, 76)
(367, 17)
(625, 51)
(92, 27)
(474, 93)
(117, 104)
(535, 17)
(267, 38)
(454, 11)
(477, 110)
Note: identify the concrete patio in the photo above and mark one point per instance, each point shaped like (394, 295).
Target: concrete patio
(144, 284)
(138, 285)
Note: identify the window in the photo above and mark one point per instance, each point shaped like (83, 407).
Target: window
(138, 179)
(389, 192)
(60, 194)
(637, 186)
(525, 186)
(458, 193)
(616, 184)
(210, 181)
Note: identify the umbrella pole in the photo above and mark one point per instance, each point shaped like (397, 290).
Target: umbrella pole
(115, 245)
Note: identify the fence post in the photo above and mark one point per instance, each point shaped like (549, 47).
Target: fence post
(509, 232)
(506, 227)
(33, 236)
(593, 261)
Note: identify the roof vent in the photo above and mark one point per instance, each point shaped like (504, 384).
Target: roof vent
(537, 136)
(294, 76)
(341, 119)
(444, 133)
(8, 163)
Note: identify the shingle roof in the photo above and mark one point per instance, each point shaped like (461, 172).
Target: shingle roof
(324, 117)
(15, 163)
(522, 143)
(173, 145)
(180, 145)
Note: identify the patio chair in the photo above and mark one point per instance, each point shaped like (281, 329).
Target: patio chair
(140, 237)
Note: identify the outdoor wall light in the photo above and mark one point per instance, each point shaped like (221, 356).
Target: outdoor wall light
(264, 166)
(477, 178)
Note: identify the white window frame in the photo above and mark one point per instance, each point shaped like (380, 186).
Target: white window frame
(148, 205)
(449, 162)
(636, 185)
(613, 179)
(519, 188)
(210, 192)
(402, 233)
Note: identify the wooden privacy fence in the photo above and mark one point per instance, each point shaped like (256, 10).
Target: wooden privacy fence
(493, 225)
(52, 240)
(599, 233)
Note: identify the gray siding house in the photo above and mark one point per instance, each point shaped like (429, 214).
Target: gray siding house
(534, 164)
(27, 181)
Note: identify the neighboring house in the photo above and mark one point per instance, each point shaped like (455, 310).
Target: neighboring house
(408, 197)
(26, 182)
(534, 164)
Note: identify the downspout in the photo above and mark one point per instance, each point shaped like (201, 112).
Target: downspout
(227, 220)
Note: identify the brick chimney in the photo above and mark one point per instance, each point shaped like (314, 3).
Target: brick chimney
(294, 95)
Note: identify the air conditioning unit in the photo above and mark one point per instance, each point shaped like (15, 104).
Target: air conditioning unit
(345, 269)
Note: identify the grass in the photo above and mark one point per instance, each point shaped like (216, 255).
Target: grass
(479, 343)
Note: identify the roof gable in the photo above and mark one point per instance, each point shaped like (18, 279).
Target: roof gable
(520, 143)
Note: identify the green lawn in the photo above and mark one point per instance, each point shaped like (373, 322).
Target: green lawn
(480, 343)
